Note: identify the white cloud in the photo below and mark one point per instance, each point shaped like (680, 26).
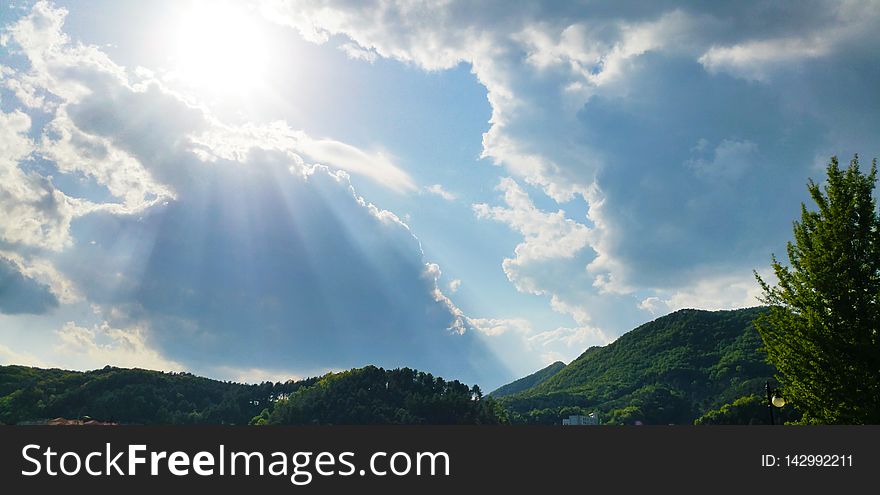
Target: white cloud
(670, 31)
(546, 236)
(710, 292)
(75, 151)
(460, 322)
(535, 169)
(423, 39)
(89, 348)
(515, 339)
(23, 88)
(494, 327)
(38, 214)
(55, 61)
(652, 305)
(9, 356)
(572, 46)
(356, 52)
(555, 258)
(376, 165)
(591, 57)
(260, 375)
(577, 312)
(34, 212)
(528, 349)
(755, 59)
(44, 271)
(438, 190)
(724, 292)
(234, 143)
(759, 59)
(571, 338)
(454, 285)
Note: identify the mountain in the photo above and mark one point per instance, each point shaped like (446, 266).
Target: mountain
(670, 370)
(528, 382)
(135, 396)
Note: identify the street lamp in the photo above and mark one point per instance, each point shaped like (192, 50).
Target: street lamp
(774, 399)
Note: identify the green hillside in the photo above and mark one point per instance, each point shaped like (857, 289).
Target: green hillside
(372, 395)
(137, 396)
(367, 395)
(671, 370)
(528, 382)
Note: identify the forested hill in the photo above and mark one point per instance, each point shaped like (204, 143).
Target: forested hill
(671, 370)
(135, 396)
(528, 382)
(372, 395)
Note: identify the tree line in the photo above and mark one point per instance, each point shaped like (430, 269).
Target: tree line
(367, 395)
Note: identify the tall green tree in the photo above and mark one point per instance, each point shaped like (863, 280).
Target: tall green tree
(821, 332)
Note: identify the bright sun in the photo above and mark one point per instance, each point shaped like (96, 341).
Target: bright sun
(219, 48)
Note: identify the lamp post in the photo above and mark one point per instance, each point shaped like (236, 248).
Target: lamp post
(774, 399)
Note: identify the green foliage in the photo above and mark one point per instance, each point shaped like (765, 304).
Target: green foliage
(821, 331)
(362, 396)
(670, 370)
(373, 395)
(261, 419)
(131, 396)
(651, 404)
(528, 382)
(748, 410)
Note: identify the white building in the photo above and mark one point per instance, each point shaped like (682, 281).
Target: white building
(578, 420)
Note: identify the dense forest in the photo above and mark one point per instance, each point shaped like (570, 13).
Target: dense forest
(131, 396)
(672, 370)
(748, 410)
(373, 395)
(529, 381)
(134, 396)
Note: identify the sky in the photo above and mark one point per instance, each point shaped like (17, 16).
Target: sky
(274, 189)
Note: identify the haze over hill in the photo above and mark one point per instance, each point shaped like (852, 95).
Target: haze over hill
(529, 381)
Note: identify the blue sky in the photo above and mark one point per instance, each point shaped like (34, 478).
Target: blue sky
(272, 189)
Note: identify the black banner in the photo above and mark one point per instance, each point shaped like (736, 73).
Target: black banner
(429, 459)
